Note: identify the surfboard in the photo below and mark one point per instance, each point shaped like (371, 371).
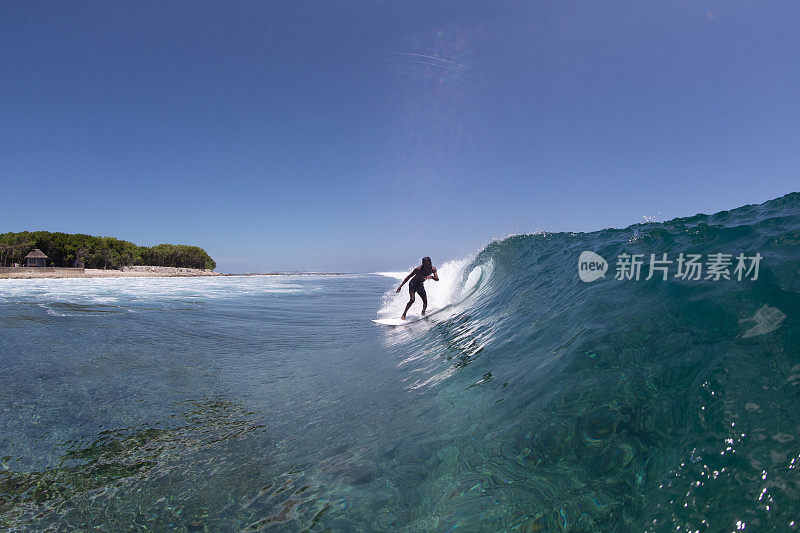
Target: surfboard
(396, 321)
(415, 318)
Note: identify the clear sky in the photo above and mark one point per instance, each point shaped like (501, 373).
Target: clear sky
(360, 136)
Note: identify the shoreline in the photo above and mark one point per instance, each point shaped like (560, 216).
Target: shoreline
(139, 272)
(292, 274)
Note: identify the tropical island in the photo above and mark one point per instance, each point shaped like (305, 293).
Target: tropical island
(53, 254)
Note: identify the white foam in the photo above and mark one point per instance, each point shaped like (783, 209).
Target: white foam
(767, 319)
(110, 291)
(451, 288)
(395, 275)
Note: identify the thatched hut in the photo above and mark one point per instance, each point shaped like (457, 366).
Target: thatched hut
(36, 258)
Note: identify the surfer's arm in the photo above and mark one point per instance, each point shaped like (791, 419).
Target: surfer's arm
(434, 275)
(404, 281)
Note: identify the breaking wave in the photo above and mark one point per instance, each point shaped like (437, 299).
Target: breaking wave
(617, 404)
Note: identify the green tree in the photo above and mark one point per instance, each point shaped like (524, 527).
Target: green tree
(64, 249)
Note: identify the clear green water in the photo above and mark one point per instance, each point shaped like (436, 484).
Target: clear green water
(529, 401)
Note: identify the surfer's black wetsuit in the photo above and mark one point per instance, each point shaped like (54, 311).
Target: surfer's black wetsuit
(417, 282)
(416, 285)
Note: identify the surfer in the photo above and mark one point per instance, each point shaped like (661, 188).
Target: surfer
(418, 277)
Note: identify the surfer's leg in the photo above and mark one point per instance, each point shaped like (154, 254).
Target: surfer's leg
(411, 301)
(421, 292)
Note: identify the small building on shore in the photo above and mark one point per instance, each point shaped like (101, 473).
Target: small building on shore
(36, 258)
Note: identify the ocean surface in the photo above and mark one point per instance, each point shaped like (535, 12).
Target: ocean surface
(528, 400)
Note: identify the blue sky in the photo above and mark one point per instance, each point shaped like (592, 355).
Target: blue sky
(360, 136)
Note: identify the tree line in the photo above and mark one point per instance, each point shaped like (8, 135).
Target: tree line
(69, 250)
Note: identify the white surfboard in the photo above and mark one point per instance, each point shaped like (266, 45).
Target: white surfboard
(396, 321)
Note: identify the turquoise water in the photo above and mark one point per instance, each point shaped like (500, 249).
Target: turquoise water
(528, 400)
